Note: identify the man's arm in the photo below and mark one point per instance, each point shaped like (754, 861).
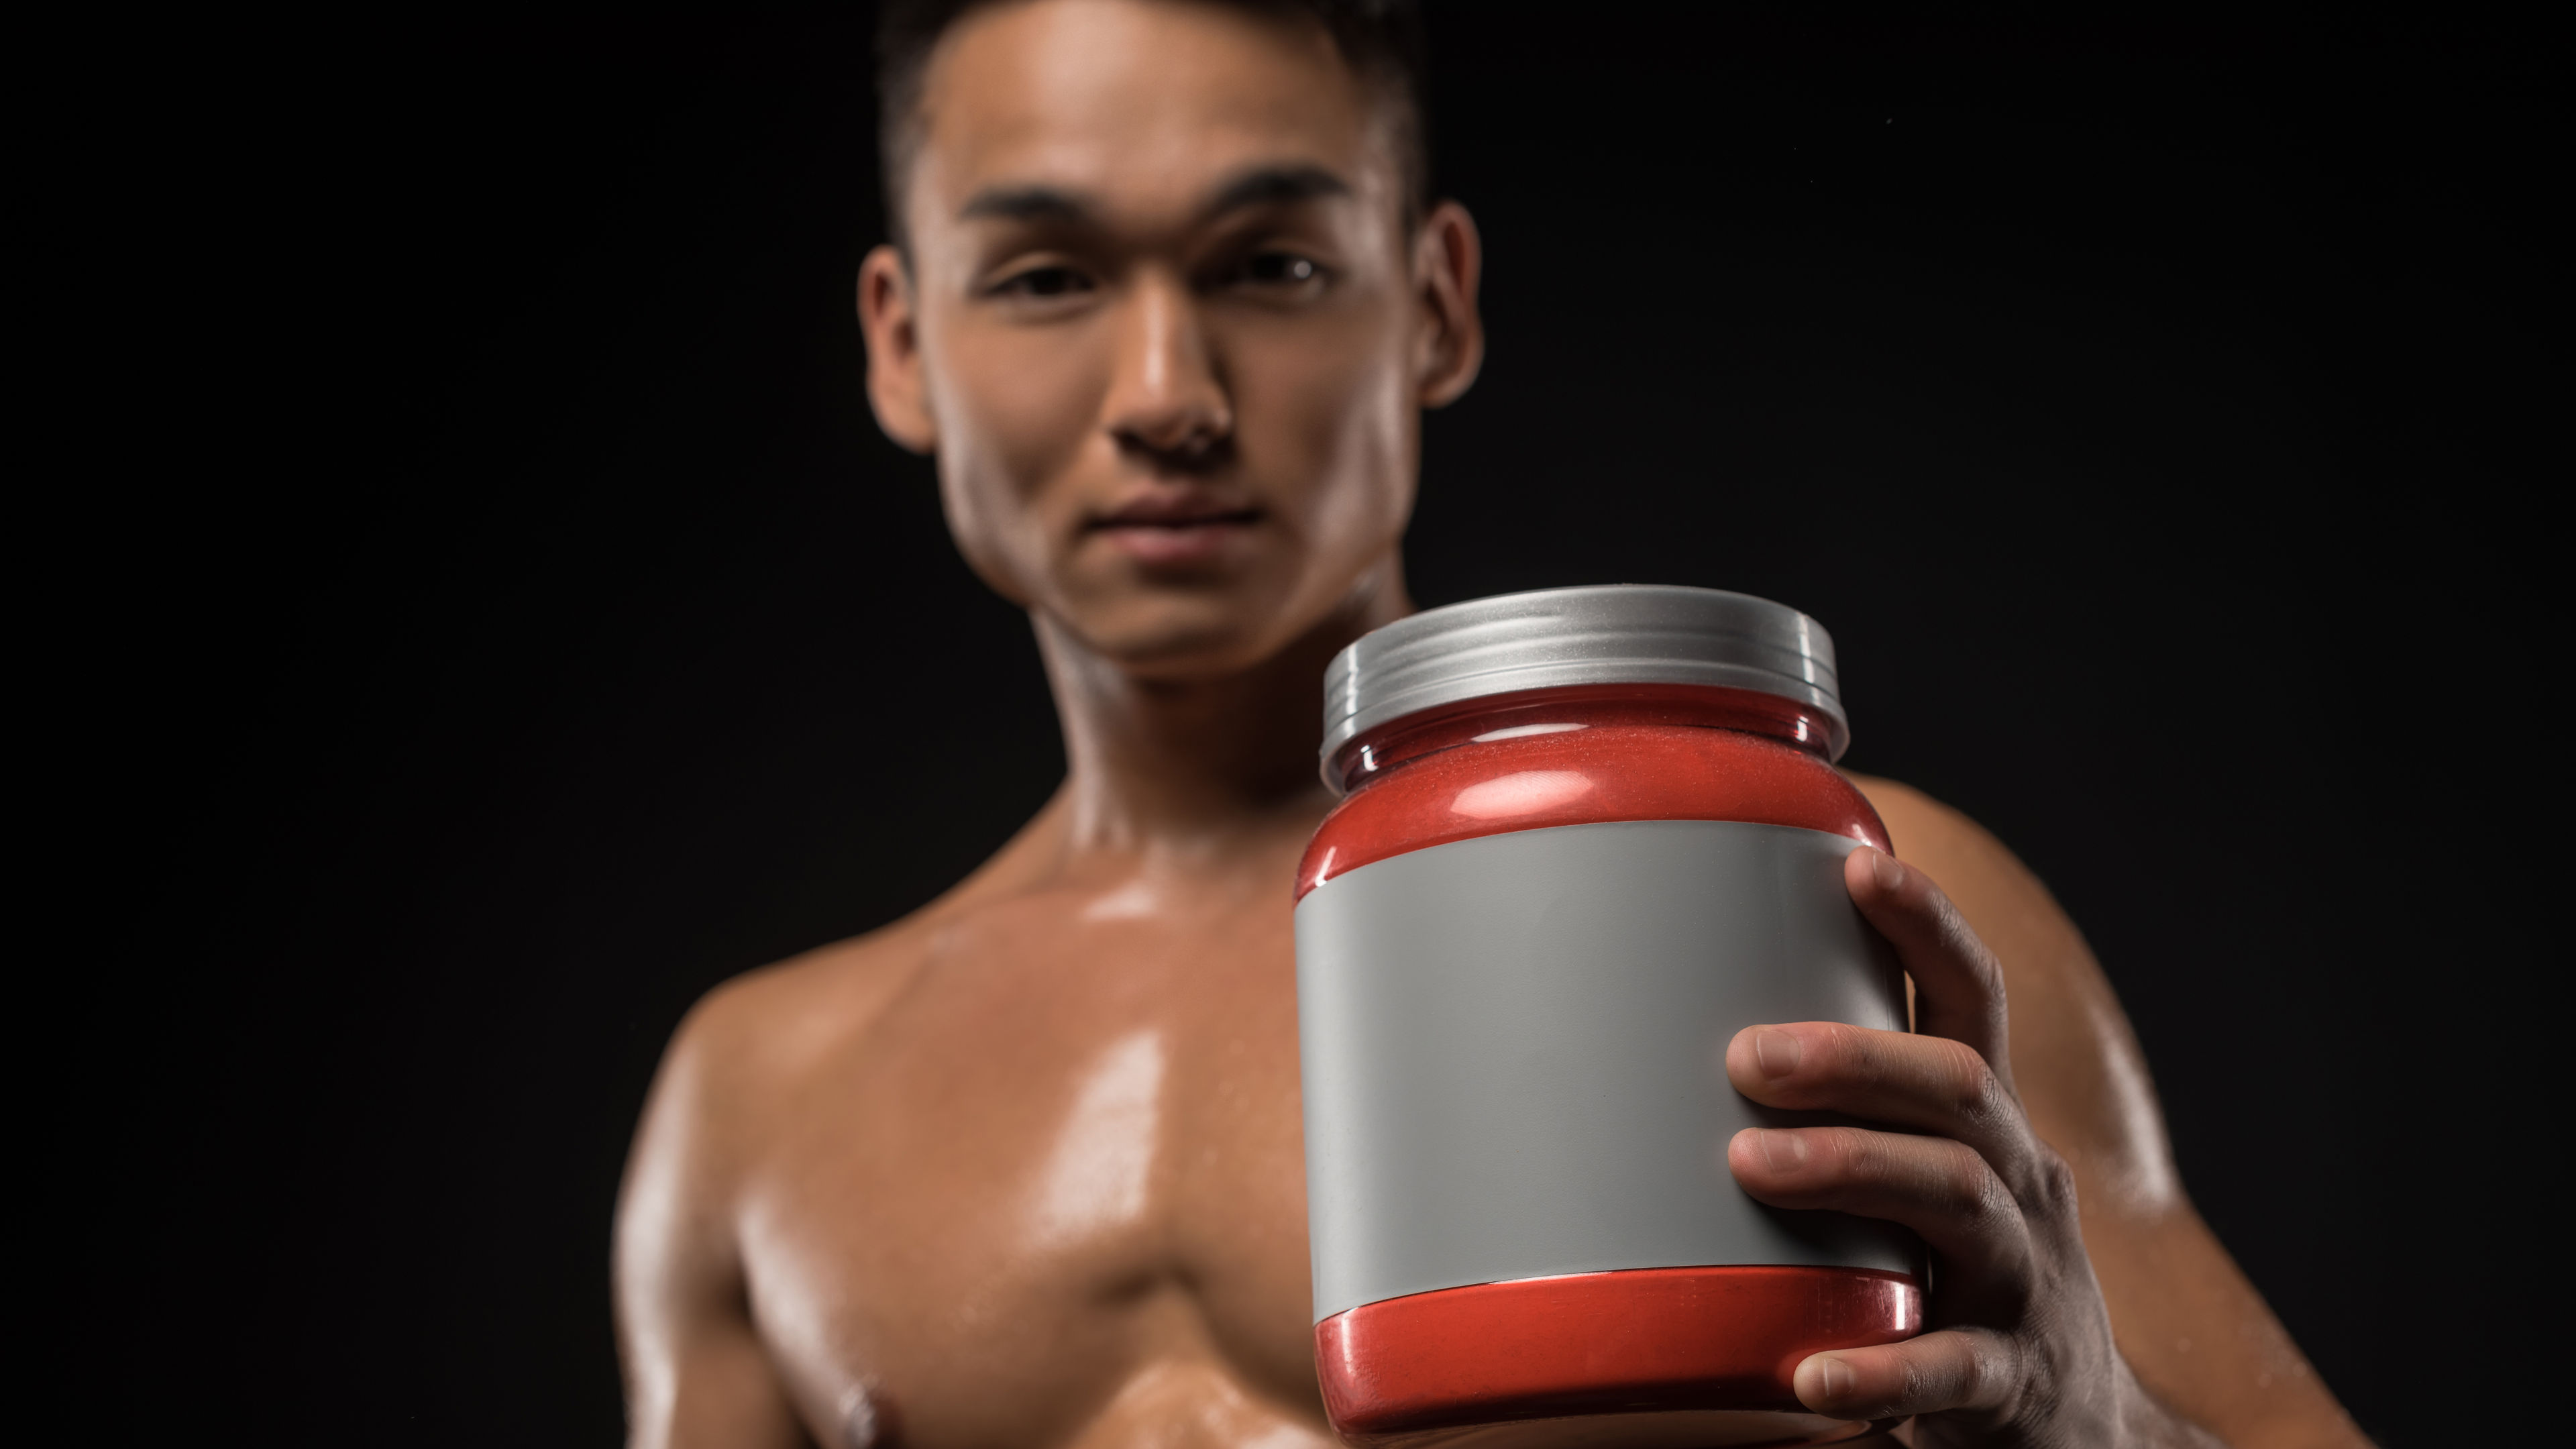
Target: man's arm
(2186, 1319)
(696, 1371)
(2189, 1325)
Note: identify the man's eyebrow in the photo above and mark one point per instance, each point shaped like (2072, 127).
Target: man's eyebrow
(1274, 186)
(1026, 203)
(1261, 186)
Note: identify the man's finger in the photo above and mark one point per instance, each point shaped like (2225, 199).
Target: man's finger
(1928, 1083)
(1958, 987)
(1941, 1189)
(1959, 1368)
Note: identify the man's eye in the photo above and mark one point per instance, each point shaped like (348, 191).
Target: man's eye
(1045, 282)
(1280, 269)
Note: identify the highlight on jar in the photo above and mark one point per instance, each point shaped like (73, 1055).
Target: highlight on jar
(1586, 836)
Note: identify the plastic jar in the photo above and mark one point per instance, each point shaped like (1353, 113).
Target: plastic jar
(1589, 835)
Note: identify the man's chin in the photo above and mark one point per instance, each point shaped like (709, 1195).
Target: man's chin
(1182, 640)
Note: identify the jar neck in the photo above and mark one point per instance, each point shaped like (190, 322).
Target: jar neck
(1370, 756)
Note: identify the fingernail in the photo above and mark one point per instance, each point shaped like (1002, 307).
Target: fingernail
(1889, 875)
(1839, 1378)
(1784, 1151)
(1776, 1052)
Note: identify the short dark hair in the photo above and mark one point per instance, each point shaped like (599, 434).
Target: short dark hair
(1381, 41)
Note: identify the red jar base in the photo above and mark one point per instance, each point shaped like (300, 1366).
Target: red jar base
(1636, 1346)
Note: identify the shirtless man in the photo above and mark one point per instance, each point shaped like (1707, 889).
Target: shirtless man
(1024, 1168)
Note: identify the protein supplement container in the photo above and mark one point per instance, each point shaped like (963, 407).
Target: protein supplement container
(1589, 835)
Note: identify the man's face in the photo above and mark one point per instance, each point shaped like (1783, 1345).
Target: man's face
(1164, 325)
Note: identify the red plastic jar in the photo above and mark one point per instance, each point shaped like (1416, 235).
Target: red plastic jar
(1589, 834)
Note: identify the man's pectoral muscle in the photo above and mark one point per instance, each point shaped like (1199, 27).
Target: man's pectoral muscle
(1023, 1169)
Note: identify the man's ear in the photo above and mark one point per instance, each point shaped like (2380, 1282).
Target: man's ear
(1448, 258)
(892, 325)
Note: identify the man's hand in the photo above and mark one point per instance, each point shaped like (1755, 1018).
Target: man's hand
(2018, 1348)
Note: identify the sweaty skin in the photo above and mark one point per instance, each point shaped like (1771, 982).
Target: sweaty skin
(1024, 1168)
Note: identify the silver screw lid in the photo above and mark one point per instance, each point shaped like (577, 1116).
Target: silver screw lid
(1605, 634)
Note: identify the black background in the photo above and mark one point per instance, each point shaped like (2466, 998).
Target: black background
(2161, 415)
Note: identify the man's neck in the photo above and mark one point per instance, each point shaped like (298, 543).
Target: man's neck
(1198, 768)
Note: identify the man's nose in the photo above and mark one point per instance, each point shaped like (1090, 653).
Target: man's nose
(1168, 398)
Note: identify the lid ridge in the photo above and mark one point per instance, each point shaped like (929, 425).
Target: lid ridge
(1601, 634)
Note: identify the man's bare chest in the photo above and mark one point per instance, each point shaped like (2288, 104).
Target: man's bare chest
(1061, 1166)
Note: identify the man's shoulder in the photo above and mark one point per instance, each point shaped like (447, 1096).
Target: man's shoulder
(1958, 852)
(757, 1036)
(761, 1031)
(737, 1057)
(1909, 811)
(2002, 899)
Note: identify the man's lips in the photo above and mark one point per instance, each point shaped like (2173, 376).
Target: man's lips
(1183, 511)
(1175, 528)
